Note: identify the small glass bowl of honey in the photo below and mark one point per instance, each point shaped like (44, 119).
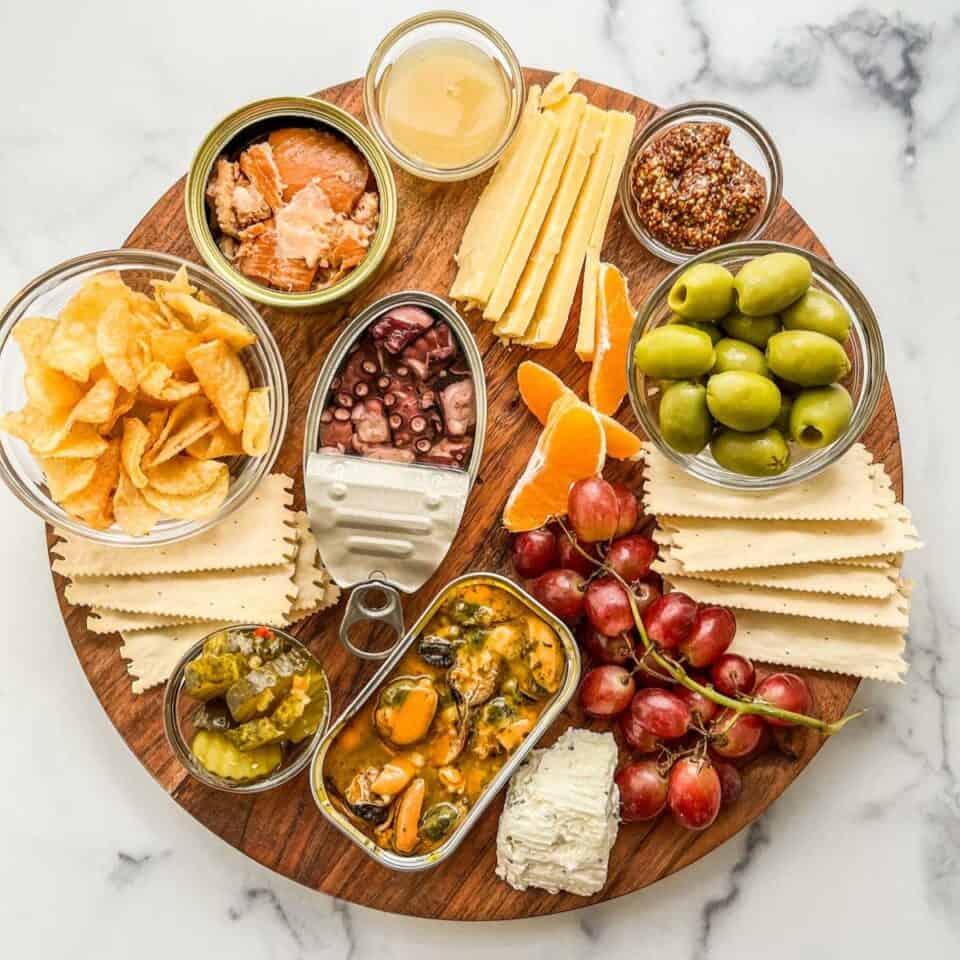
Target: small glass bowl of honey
(443, 93)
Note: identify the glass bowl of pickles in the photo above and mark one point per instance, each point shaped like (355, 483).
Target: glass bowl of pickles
(245, 708)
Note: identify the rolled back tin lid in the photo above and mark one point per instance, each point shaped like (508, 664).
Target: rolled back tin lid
(383, 520)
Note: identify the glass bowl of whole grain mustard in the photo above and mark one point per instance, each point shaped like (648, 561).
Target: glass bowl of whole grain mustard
(698, 176)
(443, 93)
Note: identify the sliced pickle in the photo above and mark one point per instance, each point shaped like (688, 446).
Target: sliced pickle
(212, 715)
(212, 675)
(272, 729)
(256, 694)
(220, 757)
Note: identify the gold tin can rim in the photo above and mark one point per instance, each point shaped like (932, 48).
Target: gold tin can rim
(309, 108)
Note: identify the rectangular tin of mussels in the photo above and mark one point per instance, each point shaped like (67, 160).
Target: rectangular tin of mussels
(554, 708)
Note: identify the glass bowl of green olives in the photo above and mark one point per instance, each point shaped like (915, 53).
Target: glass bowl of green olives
(246, 708)
(755, 365)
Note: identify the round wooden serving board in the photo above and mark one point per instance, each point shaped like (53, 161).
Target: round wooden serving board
(282, 829)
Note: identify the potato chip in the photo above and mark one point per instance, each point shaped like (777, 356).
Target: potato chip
(122, 405)
(97, 404)
(81, 441)
(72, 347)
(156, 421)
(179, 284)
(170, 348)
(256, 423)
(131, 510)
(218, 325)
(66, 477)
(157, 381)
(188, 421)
(220, 443)
(40, 431)
(224, 380)
(197, 507)
(136, 440)
(182, 475)
(50, 390)
(32, 334)
(92, 503)
(121, 340)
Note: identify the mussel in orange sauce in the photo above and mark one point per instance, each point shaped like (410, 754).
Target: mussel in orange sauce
(410, 764)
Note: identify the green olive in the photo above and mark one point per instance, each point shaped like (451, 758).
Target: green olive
(684, 419)
(674, 352)
(761, 454)
(710, 329)
(807, 358)
(782, 423)
(767, 284)
(738, 355)
(819, 416)
(755, 330)
(819, 311)
(702, 292)
(743, 400)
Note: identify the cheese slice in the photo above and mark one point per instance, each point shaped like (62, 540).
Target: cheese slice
(497, 215)
(621, 132)
(568, 114)
(561, 286)
(520, 312)
(556, 91)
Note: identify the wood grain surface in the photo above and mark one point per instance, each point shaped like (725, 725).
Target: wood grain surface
(282, 829)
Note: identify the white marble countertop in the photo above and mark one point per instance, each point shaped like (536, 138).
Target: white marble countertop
(103, 106)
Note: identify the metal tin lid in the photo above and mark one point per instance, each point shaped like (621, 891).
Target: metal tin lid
(381, 520)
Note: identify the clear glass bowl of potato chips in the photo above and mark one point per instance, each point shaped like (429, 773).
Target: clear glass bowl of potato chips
(141, 399)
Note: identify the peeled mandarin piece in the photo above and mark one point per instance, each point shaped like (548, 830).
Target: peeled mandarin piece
(571, 447)
(608, 375)
(540, 387)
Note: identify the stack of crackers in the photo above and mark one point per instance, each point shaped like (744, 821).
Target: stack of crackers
(812, 571)
(259, 565)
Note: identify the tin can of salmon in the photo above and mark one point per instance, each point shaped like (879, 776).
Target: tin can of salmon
(253, 123)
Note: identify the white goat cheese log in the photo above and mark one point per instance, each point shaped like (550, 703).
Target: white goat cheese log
(560, 819)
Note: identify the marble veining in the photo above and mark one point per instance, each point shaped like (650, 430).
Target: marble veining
(861, 856)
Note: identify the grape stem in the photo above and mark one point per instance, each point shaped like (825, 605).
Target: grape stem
(676, 672)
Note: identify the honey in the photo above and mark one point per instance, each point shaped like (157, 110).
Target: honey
(444, 103)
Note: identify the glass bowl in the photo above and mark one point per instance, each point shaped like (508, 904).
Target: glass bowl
(749, 140)
(429, 26)
(251, 123)
(864, 382)
(46, 296)
(178, 707)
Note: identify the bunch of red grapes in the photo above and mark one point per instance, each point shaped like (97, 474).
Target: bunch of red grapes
(686, 749)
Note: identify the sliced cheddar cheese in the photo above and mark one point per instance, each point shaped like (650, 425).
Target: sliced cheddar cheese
(558, 88)
(496, 218)
(568, 113)
(621, 134)
(519, 314)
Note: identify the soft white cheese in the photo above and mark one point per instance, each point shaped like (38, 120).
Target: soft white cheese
(560, 819)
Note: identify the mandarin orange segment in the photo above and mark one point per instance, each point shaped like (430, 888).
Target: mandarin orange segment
(615, 318)
(571, 447)
(540, 387)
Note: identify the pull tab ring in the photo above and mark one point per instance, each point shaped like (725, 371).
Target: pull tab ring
(360, 608)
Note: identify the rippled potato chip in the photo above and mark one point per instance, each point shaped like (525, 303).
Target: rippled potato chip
(133, 400)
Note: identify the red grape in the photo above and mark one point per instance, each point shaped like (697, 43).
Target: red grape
(661, 712)
(535, 552)
(694, 793)
(669, 619)
(617, 649)
(631, 557)
(629, 510)
(697, 703)
(638, 738)
(649, 673)
(786, 691)
(731, 784)
(736, 737)
(593, 509)
(570, 558)
(561, 592)
(733, 675)
(645, 594)
(606, 691)
(607, 606)
(712, 632)
(643, 791)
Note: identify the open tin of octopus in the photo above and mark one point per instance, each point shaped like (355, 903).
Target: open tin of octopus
(393, 443)
(415, 760)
